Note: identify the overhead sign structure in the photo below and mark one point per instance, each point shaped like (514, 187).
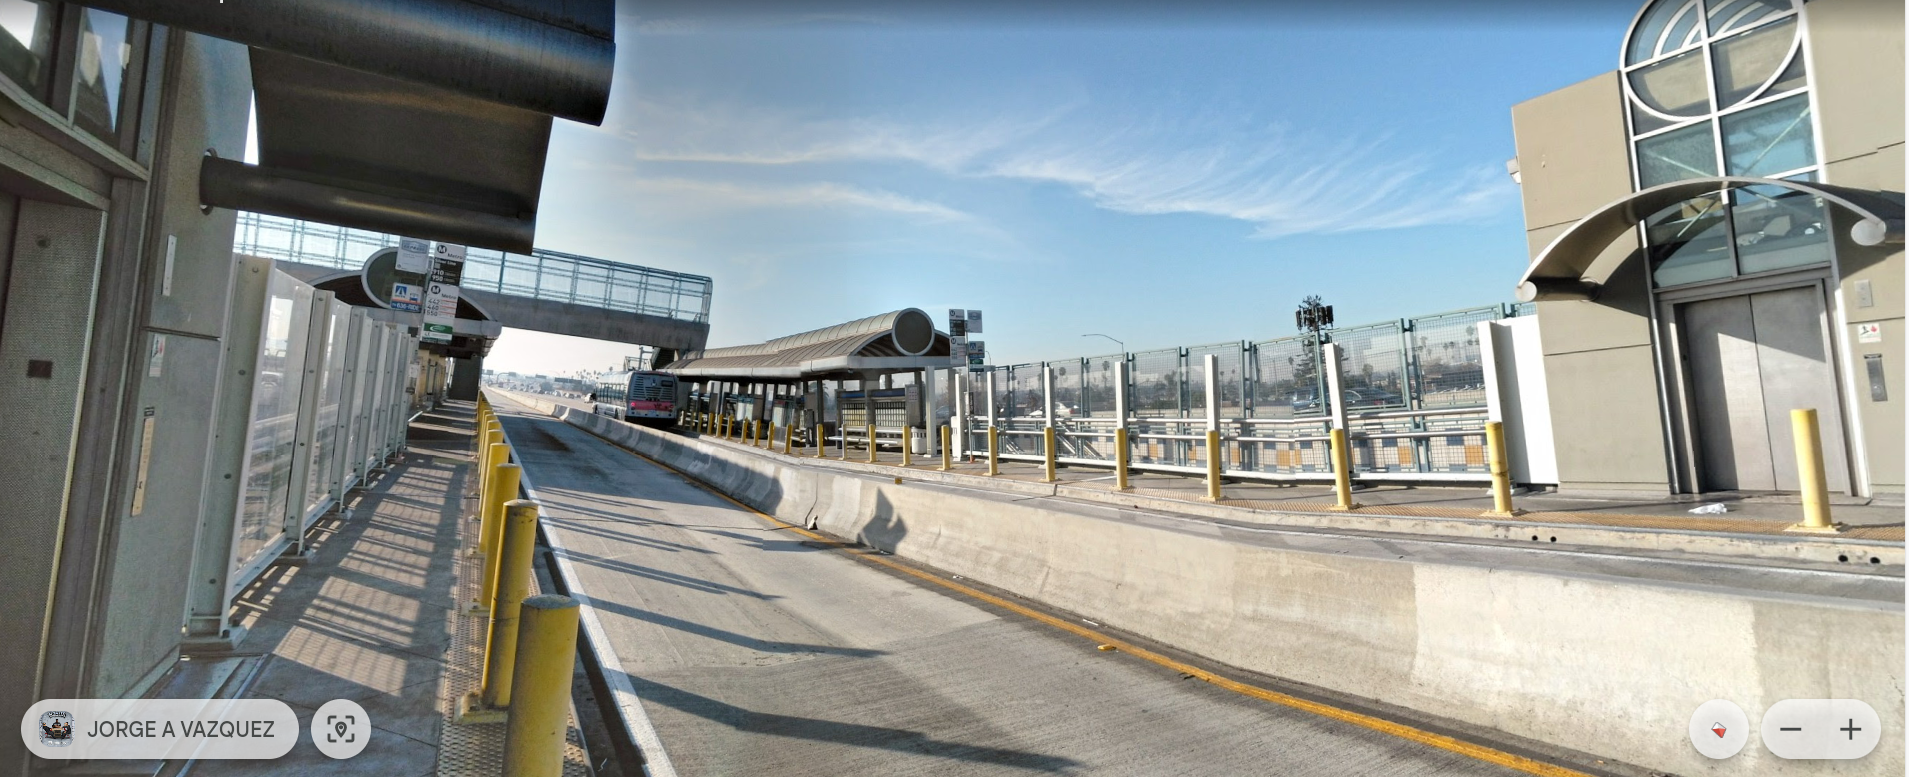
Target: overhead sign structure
(440, 301)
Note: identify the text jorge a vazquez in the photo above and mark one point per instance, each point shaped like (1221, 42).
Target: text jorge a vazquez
(211, 729)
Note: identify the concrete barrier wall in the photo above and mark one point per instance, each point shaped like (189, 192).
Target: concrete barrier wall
(1606, 666)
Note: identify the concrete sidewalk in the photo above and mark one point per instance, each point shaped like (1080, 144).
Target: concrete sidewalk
(369, 618)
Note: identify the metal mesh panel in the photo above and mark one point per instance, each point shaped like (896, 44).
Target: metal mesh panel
(1067, 381)
(1230, 358)
(1287, 381)
(1023, 398)
(1372, 366)
(1097, 385)
(1156, 384)
(1445, 355)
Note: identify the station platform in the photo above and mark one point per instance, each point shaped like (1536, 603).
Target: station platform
(370, 615)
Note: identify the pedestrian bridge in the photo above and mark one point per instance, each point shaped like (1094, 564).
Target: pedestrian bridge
(545, 291)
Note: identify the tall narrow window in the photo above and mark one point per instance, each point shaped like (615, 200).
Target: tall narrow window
(99, 74)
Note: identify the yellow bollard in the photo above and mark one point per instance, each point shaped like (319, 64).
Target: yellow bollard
(493, 435)
(495, 456)
(540, 713)
(513, 584)
(1500, 472)
(1809, 470)
(508, 477)
(1342, 472)
(1122, 458)
(788, 439)
(994, 451)
(871, 443)
(1213, 460)
(947, 451)
(821, 443)
(907, 441)
(1048, 454)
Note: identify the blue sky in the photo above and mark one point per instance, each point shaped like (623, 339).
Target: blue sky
(1164, 179)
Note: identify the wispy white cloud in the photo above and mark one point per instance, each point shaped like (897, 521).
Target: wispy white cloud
(1280, 181)
(725, 195)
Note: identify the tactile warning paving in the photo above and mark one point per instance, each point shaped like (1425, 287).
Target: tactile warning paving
(477, 749)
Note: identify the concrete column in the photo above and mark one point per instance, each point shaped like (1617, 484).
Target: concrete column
(1335, 384)
(990, 398)
(465, 376)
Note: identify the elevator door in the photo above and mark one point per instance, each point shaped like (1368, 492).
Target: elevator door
(1751, 360)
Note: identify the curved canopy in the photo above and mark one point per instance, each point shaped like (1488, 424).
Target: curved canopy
(901, 341)
(1568, 267)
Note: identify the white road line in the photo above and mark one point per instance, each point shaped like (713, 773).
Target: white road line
(656, 761)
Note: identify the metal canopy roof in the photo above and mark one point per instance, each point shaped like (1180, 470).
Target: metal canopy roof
(1568, 267)
(426, 118)
(900, 341)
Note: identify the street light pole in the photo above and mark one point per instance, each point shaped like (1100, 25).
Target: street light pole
(1123, 346)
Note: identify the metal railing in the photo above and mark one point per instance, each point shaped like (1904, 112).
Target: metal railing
(543, 274)
(1411, 395)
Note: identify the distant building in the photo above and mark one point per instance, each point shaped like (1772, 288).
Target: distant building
(1717, 239)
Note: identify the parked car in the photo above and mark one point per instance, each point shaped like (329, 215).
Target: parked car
(1308, 399)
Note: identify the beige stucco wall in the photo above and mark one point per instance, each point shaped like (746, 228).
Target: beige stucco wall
(1856, 58)
(1573, 159)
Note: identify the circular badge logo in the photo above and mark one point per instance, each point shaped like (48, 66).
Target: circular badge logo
(340, 729)
(56, 729)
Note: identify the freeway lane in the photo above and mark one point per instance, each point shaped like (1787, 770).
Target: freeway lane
(757, 651)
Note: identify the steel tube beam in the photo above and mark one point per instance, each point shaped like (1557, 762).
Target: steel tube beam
(559, 66)
(225, 183)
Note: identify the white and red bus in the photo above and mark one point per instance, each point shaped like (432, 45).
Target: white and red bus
(641, 397)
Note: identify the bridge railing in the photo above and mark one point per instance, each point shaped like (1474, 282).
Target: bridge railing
(542, 274)
(1412, 397)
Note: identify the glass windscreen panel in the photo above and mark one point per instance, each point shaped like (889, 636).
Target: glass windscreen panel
(1779, 228)
(1746, 61)
(269, 450)
(1690, 242)
(1769, 139)
(1676, 155)
(26, 47)
(105, 48)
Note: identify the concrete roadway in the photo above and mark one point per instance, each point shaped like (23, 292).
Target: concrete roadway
(757, 651)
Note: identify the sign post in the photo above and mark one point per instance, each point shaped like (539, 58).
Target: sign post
(440, 298)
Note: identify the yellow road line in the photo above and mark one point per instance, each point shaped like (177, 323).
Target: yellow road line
(1381, 725)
